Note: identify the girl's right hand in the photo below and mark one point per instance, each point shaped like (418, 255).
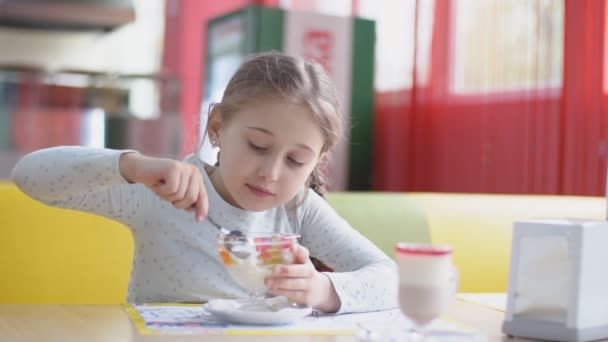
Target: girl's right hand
(176, 182)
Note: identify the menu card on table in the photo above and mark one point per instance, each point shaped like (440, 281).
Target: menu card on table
(158, 319)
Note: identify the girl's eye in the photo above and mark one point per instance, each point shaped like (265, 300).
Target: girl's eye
(295, 162)
(256, 147)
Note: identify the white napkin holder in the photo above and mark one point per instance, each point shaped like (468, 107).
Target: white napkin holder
(558, 280)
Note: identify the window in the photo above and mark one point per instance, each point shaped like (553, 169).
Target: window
(507, 45)
(395, 30)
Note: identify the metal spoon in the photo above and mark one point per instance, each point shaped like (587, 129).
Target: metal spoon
(238, 249)
(235, 242)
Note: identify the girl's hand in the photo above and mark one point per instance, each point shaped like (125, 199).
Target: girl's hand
(176, 182)
(301, 283)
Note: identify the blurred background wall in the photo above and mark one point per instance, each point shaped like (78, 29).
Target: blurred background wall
(469, 96)
(85, 73)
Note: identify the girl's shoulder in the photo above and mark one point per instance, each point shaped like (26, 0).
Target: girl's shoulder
(192, 158)
(306, 201)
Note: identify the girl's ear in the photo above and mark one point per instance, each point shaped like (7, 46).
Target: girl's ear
(322, 157)
(322, 160)
(214, 126)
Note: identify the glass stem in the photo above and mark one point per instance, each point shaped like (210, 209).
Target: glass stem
(417, 333)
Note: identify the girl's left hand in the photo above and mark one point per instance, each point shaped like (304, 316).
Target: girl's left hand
(301, 283)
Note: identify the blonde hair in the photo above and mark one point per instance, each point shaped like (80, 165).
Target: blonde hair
(277, 76)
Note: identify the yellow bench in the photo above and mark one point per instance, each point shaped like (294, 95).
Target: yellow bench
(479, 227)
(51, 255)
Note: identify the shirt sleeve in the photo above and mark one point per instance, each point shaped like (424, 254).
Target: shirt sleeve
(365, 278)
(81, 178)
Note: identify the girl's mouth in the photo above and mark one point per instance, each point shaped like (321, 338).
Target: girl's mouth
(261, 192)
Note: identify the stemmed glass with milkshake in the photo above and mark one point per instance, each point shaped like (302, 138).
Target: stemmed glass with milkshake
(428, 282)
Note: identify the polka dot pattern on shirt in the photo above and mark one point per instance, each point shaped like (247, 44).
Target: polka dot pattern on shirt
(176, 257)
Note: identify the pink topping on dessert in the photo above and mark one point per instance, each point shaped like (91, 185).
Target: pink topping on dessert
(422, 249)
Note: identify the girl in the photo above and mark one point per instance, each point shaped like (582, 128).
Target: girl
(278, 119)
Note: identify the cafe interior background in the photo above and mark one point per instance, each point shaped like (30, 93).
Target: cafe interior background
(466, 96)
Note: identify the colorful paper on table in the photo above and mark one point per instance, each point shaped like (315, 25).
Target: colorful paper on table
(155, 319)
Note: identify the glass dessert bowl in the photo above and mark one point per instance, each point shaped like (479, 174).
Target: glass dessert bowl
(251, 258)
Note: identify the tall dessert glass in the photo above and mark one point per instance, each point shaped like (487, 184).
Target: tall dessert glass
(427, 283)
(263, 252)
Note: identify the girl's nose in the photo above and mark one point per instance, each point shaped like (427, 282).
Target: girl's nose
(270, 169)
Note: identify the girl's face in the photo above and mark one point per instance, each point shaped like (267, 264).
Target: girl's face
(268, 151)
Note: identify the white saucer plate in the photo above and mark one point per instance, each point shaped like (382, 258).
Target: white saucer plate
(254, 312)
